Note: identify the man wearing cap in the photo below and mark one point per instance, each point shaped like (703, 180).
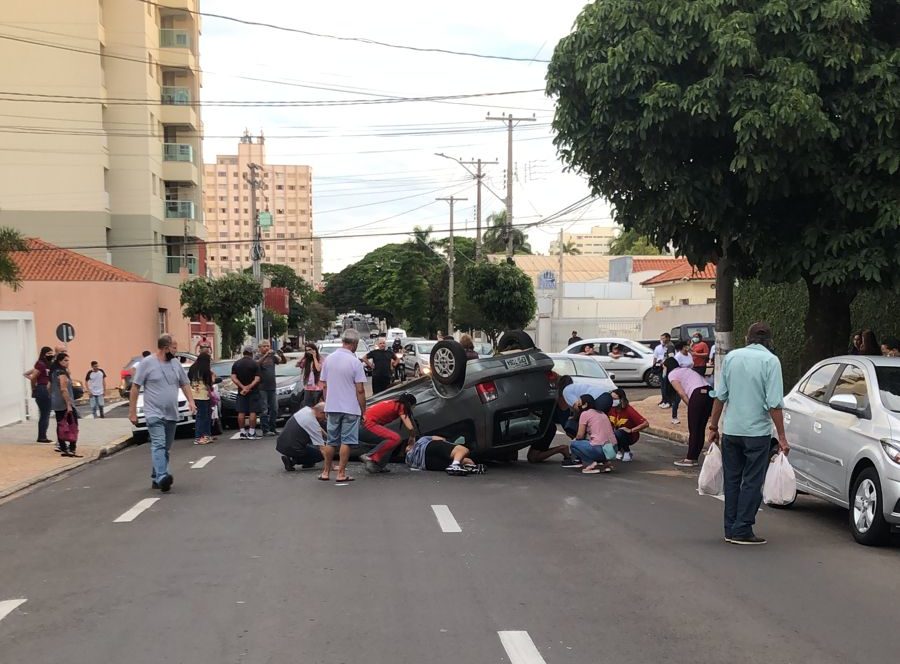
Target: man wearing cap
(245, 376)
(750, 392)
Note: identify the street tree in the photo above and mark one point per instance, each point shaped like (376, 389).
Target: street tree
(503, 294)
(757, 134)
(494, 238)
(274, 325)
(226, 300)
(10, 241)
(632, 243)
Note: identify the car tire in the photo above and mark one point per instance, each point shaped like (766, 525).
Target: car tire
(417, 372)
(652, 379)
(448, 363)
(519, 338)
(866, 507)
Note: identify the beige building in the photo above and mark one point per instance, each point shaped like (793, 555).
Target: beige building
(286, 194)
(106, 146)
(595, 243)
(681, 294)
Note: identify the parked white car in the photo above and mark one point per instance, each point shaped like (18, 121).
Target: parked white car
(582, 370)
(635, 365)
(843, 423)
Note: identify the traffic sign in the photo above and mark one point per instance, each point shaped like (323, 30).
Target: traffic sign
(265, 219)
(65, 332)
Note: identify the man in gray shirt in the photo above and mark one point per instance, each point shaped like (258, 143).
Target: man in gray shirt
(160, 376)
(267, 387)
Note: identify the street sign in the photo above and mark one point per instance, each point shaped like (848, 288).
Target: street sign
(547, 280)
(65, 332)
(265, 219)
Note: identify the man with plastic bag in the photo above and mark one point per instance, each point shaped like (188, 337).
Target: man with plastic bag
(750, 392)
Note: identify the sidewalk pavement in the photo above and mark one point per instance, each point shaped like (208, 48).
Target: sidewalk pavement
(24, 462)
(661, 420)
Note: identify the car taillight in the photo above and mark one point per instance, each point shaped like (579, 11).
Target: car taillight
(552, 377)
(487, 392)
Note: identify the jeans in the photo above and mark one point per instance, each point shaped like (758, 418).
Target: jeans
(623, 440)
(270, 409)
(343, 429)
(586, 453)
(745, 460)
(699, 410)
(203, 423)
(386, 441)
(663, 387)
(674, 401)
(97, 404)
(162, 435)
(42, 398)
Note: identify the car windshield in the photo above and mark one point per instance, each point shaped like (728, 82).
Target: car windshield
(328, 349)
(889, 387)
(589, 368)
(640, 348)
(425, 348)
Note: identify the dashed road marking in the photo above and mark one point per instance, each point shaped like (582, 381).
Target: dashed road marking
(445, 519)
(133, 513)
(520, 648)
(7, 606)
(202, 462)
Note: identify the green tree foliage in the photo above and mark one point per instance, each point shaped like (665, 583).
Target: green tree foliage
(632, 243)
(494, 238)
(299, 291)
(766, 124)
(226, 301)
(10, 240)
(503, 294)
(274, 324)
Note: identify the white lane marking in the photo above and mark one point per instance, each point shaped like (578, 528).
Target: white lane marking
(445, 519)
(7, 606)
(133, 513)
(201, 462)
(520, 648)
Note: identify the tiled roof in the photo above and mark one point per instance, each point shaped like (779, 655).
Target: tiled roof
(47, 262)
(576, 268)
(683, 271)
(650, 264)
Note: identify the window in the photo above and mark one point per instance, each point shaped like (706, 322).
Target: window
(293, 260)
(292, 187)
(210, 210)
(280, 247)
(212, 258)
(237, 210)
(162, 317)
(235, 186)
(246, 199)
(279, 187)
(853, 383)
(246, 211)
(684, 301)
(223, 210)
(279, 211)
(237, 198)
(280, 236)
(221, 174)
(222, 198)
(234, 174)
(816, 386)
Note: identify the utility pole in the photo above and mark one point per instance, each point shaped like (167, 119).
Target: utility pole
(559, 281)
(451, 262)
(479, 178)
(256, 252)
(510, 120)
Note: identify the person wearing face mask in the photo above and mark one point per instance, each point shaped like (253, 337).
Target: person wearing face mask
(40, 391)
(627, 423)
(160, 376)
(700, 353)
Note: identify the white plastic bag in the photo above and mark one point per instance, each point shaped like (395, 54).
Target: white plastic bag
(780, 487)
(712, 479)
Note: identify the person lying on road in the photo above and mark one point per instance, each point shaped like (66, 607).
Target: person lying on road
(300, 441)
(437, 453)
(375, 432)
(594, 444)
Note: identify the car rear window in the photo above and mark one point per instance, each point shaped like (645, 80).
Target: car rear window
(589, 368)
(889, 387)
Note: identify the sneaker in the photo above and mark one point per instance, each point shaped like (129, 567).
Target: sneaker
(628, 456)
(256, 436)
(288, 464)
(675, 420)
(665, 405)
(153, 484)
(619, 456)
(365, 458)
(243, 435)
(166, 483)
(372, 467)
(607, 469)
(44, 440)
(686, 463)
(475, 468)
(572, 463)
(270, 433)
(455, 470)
(749, 539)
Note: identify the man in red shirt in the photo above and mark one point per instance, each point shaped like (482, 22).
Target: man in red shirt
(700, 353)
(375, 432)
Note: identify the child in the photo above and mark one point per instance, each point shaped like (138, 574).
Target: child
(594, 443)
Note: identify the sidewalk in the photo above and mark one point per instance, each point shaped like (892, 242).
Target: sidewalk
(661, 420)
(24, 462)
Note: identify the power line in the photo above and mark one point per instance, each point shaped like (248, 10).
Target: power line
(361, 40)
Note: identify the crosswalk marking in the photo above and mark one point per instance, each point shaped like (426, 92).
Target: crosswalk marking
(520, 648)
(445, 519)
(201, 463)
(7, 606)
(133, 513)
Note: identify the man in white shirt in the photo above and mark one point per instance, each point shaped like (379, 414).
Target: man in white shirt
(300, 441)
(660, 353)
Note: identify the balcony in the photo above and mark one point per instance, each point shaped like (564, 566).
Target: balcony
(179, 209)
(172, 38)
(175, 49)
(178, 164)
(178, 152)
(173, 95)
(174, 264)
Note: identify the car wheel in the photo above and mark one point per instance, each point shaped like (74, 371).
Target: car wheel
(518, 339)
(867, 522)
(448, 363)
(417, 372)
(652, 379)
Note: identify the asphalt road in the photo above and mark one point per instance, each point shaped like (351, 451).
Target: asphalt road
(243, 563)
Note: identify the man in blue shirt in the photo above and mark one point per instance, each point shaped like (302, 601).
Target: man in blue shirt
(750, 391)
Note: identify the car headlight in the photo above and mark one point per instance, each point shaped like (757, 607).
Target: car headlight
(286, 389)
(426, 369)
(892, 449)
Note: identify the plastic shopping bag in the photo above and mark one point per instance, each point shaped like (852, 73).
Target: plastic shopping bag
(712, 477)
(780, 487)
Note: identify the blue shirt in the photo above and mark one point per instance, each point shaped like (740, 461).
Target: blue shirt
(573, 392)
(751, 386)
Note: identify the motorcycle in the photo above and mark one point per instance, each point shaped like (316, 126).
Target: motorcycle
(400, 369)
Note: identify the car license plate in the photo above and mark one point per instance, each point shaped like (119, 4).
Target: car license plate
(517, 362)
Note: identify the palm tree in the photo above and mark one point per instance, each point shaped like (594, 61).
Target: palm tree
(422, 238)
(569, 248)
(494, 238)
(10, 240)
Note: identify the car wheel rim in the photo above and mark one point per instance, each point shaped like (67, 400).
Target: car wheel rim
(443, 362)
(864, 505)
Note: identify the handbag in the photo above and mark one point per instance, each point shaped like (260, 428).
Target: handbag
(67, 428)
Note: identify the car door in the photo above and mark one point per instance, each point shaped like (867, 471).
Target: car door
(802, 409)
(633, 364)
(409, 357)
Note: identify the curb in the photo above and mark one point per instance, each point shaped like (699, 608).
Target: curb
(105, 451)
(667, 434)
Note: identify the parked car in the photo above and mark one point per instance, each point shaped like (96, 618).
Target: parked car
(686, 331)
(127, 372)
(288, 383)
(497, 405)
(417, 357)
(326, 349)
(635, 365)
(185, 419)
(843, 423)
(582, 370)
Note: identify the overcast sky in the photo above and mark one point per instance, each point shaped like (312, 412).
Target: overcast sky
(352, 168)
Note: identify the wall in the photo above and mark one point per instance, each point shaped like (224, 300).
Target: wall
(657, 321)
(18, 349)
(114, 321)
(696, 292)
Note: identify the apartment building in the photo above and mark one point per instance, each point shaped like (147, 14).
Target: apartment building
(101, 141)
(286, 195)
(595, 243)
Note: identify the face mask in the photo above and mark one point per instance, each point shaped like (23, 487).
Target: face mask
(170, 356)
(696, 340)
(616, 403)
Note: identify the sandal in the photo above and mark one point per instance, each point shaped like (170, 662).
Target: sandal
(323, 479)
(591, 469)
(346, 479)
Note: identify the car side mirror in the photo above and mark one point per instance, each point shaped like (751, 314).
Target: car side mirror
(848, 403)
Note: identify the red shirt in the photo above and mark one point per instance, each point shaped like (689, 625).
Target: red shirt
(383, 413)
(702, 349)
(43, 375)
(627, 418)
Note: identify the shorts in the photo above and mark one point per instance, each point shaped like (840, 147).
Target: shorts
(437, 455)
(343, 429)
(247, 403)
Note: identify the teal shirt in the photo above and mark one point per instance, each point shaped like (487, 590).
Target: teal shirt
(750, 386)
